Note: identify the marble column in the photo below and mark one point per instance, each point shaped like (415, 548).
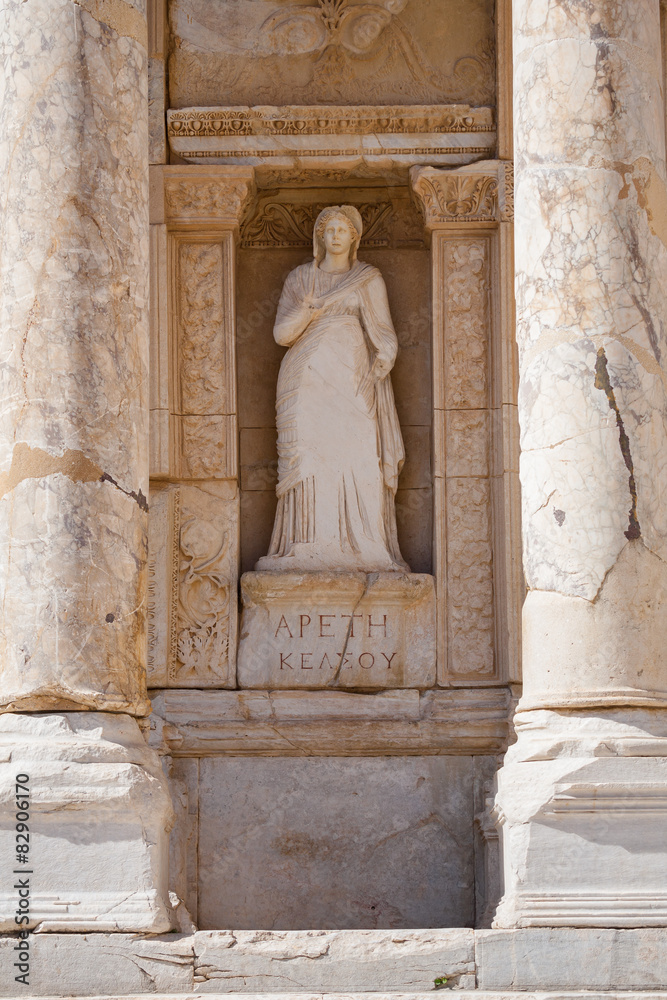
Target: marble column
(74, 461)
(583, 793)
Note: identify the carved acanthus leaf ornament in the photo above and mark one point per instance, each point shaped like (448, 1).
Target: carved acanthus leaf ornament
(207, 197)
(282, 225)
(459, 198)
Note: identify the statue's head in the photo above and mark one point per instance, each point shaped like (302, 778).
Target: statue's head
(347, 214)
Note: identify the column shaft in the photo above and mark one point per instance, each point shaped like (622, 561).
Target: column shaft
(73, 350)
(74, 469)
(582, 797)
(591, 227)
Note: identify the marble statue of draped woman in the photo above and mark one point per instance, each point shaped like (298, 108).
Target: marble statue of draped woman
(340, 448)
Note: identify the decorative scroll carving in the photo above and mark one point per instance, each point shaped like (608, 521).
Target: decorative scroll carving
(336, 23)
(470, 608)
(207, 122)
(466, 349)
(464, 541)
(208, 447)
(283, 225)
(204, 352)
(210, 195)
(203, 633)
(192, 583)
(202, 363)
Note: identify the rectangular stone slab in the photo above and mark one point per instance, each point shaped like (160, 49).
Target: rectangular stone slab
(291, 961)
(77, 965)
(337, 630)
(571, 958)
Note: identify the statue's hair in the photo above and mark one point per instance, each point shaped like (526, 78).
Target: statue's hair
(353, 219)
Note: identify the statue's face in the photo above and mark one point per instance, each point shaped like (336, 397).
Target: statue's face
(338, 236)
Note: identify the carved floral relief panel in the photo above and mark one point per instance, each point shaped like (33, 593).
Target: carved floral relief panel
(193, 584)
(204, 377)
(462, 398)
(262, 52)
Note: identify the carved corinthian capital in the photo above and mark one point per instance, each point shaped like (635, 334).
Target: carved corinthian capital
(207, 194)
(481, 192)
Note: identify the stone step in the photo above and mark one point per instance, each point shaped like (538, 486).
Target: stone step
(549, 962)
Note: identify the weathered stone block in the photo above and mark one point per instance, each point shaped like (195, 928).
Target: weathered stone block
(98, 815)
(336, 843)
(350, 961)
(571, 958)
(77, 965)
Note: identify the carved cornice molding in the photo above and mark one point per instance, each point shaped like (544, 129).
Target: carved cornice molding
(318, 723)
(324, 120)
(483, 192)
(207, 194)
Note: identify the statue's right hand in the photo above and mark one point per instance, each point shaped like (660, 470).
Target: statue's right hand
(313, 306)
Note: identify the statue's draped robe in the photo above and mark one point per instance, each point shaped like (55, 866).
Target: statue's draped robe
(340, 448)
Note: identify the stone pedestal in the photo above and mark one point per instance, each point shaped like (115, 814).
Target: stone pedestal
(582, 795)
(74, 465)
(97, 813)
(583, 806)
(337, 630)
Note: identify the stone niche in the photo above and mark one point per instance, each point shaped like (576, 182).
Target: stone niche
(277, 238)
(338, 776)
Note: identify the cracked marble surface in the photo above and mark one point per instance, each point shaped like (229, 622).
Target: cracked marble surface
(73, 354)
(591, 242)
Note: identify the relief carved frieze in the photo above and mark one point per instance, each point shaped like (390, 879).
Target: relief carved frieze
(290, 137)
(350, 51)
(326, 120)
